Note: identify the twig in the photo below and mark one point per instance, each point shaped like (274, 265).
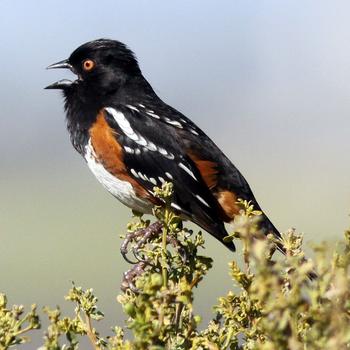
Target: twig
(91, 334)
(164, 258)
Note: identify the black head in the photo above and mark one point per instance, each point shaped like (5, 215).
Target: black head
(102, 67)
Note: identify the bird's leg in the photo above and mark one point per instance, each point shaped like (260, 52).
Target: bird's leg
(124, 247)
(145, 234)
(130, 275)
(142, 237)
(176, 244)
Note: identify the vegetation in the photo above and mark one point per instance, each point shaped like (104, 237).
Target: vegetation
(276, 305)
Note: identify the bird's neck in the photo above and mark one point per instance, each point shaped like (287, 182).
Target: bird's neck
(80, 115)
(136, 90)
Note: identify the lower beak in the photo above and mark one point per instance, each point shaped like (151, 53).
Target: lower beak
(61, 84)
(64, 83)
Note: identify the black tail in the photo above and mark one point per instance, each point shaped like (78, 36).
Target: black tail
(269, 227)
(220, 233)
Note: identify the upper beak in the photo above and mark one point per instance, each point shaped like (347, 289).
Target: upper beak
(60, 64)
(64, 83)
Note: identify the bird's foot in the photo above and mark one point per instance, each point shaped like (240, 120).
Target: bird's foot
(146, 238)
(129, 277)
(138, 239)
(145, 234)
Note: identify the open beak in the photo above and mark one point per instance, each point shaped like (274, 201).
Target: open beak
(64, 83)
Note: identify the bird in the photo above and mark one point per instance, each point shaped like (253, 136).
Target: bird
(132, 141)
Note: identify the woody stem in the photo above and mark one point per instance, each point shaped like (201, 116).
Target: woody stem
(164, 259)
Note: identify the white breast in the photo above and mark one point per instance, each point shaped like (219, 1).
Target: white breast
(122, 190)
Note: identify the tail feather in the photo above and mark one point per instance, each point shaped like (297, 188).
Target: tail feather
(269, 227)
(220, 233)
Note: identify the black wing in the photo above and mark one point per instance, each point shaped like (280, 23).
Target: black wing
(153, 154)
(193, 141)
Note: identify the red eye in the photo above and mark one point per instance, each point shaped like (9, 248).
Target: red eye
(88, 65)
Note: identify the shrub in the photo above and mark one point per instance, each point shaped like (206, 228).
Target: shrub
(276, 305)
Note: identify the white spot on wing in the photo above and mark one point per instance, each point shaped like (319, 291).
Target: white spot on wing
(162, 151)
(128, 131)
(134, 173)
(170, 156)
(142, 176)
(133, 108)
(188, 171)
(151, 146)
(151, 114)
(161, 179)
(123, 123)
(142, 141)
(153, 180)
(166, 154)
(194, 132)
(173, 122)
(202, 200)
(128, 150)
(175, 206)
(169, 176)
(141, 105)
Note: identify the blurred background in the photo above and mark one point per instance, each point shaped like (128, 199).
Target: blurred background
(269, 81)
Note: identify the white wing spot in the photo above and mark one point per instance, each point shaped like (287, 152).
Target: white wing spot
(128, 150)
(137, 151)
(133, 108)
(153, 115)
(142, 141)
(170, 156)
(175, 206)
(194, 132)
(188, 171)
(153, 180)
(141, 105)
(202, 200)
(134, 173)
(123, 123)
(161, 179)
(166, 154)
(128, 131)
(173, 122)
(142, 176)
(169, 176)
(151, 146)
(162, 151)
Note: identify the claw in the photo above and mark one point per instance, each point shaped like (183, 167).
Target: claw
(146, 234)
(137, 255)
(129, 277)
(126, 258)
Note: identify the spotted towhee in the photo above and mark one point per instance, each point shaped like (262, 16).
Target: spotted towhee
(132, 141)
